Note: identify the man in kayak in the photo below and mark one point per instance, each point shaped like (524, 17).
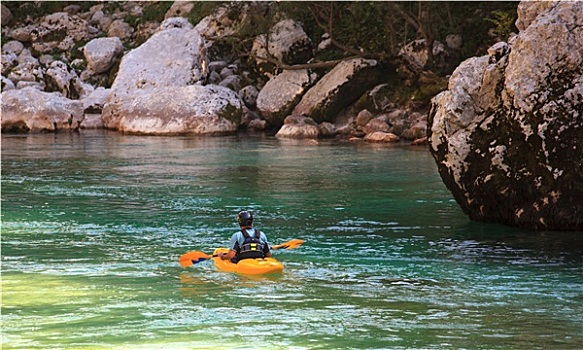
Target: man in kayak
(249, 243)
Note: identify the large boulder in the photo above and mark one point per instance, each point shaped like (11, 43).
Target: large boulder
(281, 93)
(155, 91)
(507, 135)
(191, 109)
(340, 87)
(171, 57)
(31, 110)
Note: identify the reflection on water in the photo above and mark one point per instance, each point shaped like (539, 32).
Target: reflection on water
(93, 225)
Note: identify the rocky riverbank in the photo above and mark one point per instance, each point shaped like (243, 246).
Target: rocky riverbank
(85, 68)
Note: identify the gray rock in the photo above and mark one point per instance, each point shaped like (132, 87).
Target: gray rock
(416, 54)
(154, 92)
(92, 121)
(31, 110)
(120, 29)
(9, 60)
(327, 129)
(192, 109)
(298, 127)
(95, 101)
(507, 135)
(6, 84)
(363, 117)
(28, 69)
(102, 53)
(173, 57)
(217, 66)
(381, 137)
(222, 23)
(287, 42)
(214, 78)
(249, 95)
(232, 82)
(23, 34)
(179, 9)
(59, 31)
(6, 15)
(528, 11)
(281, 93)
(59, 78)
(454, 41)
(344, 84)
(175, 22)
(13, 46)
(376, 124)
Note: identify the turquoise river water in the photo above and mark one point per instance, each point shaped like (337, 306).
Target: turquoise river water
(93, 225)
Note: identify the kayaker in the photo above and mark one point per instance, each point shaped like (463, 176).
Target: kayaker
(249, 243)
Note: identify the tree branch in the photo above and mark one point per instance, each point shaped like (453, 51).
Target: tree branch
(314, 65)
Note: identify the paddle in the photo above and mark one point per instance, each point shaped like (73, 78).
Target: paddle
(195, 257)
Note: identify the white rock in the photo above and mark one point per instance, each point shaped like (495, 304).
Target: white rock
(102, 53)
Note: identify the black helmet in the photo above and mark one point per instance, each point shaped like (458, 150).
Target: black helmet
(245, 218)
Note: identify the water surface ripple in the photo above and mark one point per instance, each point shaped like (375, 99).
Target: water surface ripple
(93, 225)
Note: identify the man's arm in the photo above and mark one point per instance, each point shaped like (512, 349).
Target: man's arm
(228, 256)
(232, 252)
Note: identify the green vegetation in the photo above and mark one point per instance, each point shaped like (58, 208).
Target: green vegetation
(202, 9)
(503, 22)
(155, 11)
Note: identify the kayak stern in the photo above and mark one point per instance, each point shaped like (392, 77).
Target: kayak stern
(248, 266)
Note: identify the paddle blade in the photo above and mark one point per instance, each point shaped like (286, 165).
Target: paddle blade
(294, 243)
(192, 258)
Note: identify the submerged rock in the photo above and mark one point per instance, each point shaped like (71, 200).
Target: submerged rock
(380, 136)
(507, 135)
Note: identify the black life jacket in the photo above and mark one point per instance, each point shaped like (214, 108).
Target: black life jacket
(252, 246)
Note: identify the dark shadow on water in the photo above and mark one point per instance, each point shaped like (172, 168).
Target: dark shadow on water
(495, 239)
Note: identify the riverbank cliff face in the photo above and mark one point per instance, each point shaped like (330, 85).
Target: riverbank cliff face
(507, 135)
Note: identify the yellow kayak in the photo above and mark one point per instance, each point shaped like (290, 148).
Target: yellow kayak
(248, 266)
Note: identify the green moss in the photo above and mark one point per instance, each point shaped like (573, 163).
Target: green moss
(202, 9)
(155, 11)
(76, 51)
(231, 113)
